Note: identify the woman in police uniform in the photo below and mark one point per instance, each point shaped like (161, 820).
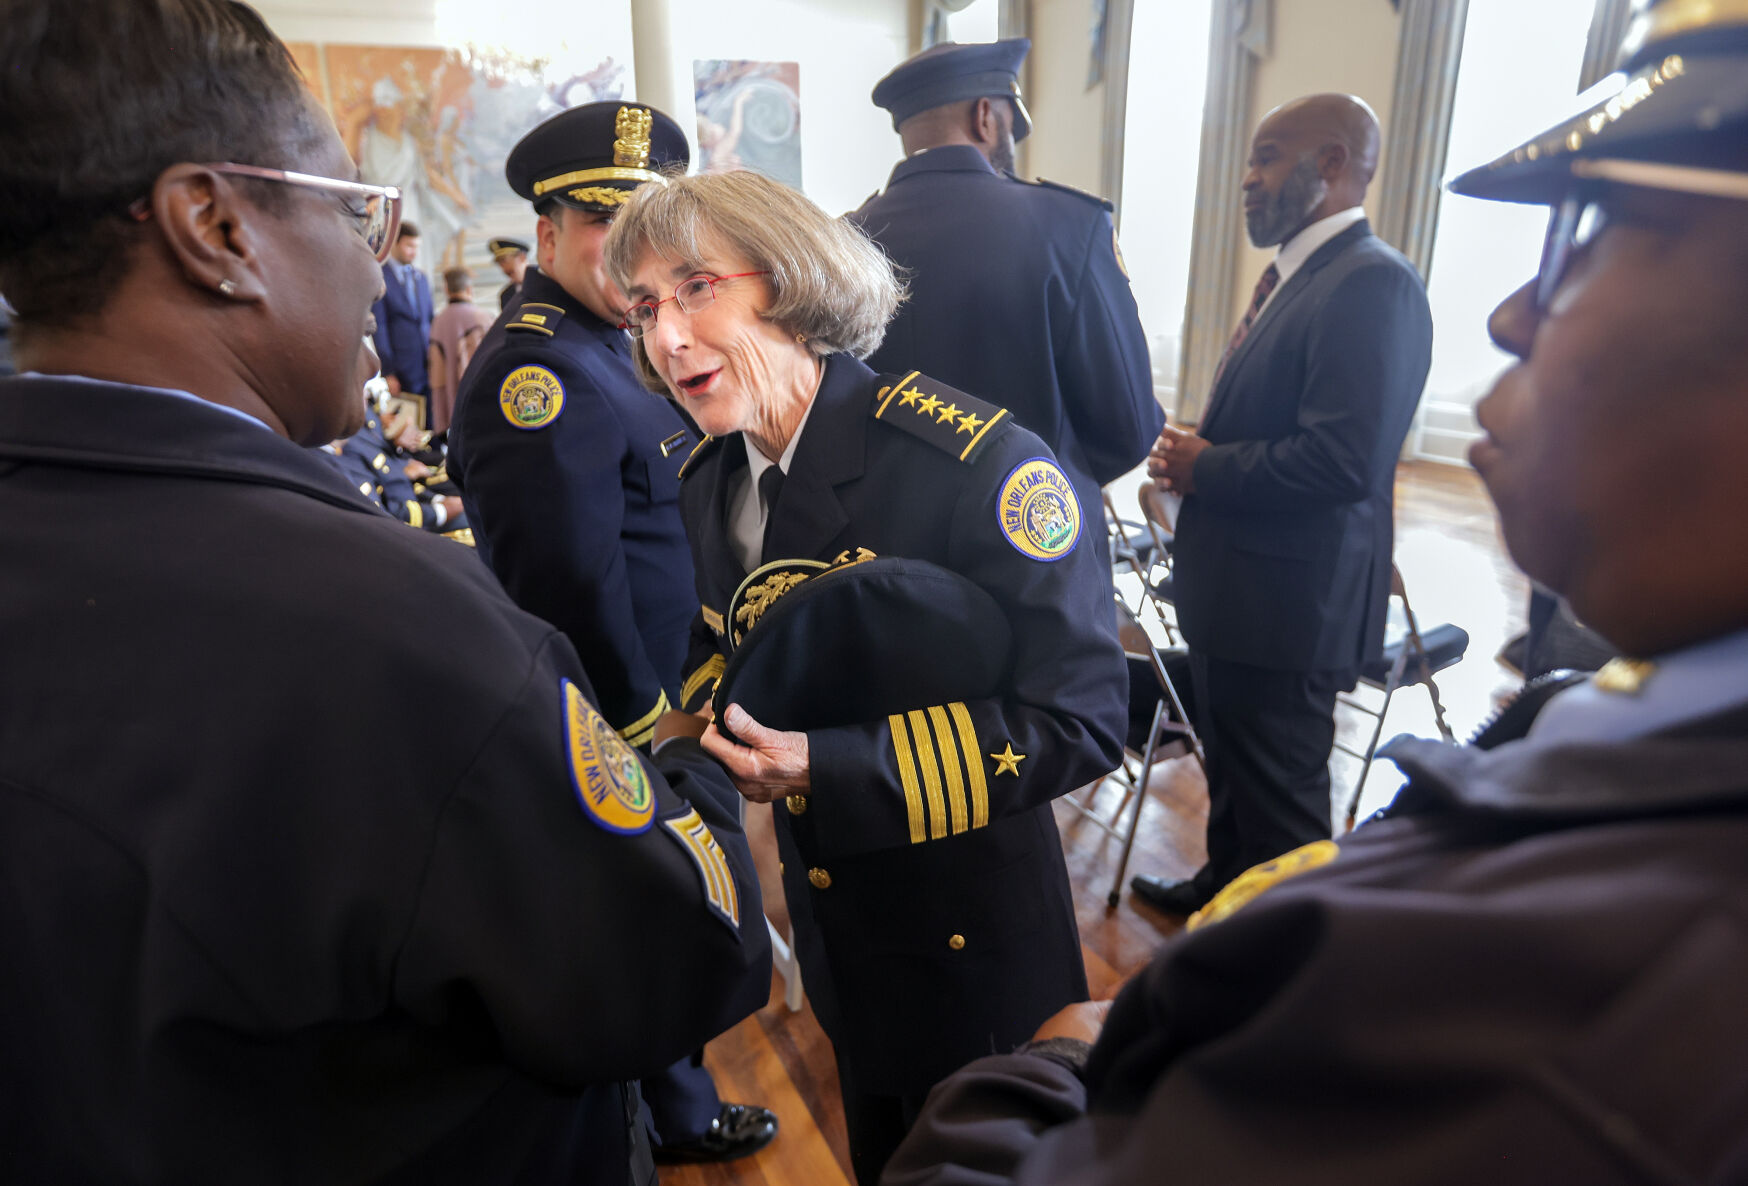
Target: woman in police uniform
(924, 873)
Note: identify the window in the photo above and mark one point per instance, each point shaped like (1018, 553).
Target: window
(1519, 71)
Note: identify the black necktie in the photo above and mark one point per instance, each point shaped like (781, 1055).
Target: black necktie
(770, 489)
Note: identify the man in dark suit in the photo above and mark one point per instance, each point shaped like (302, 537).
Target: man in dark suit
(1284, 539)
(403, 317)
(570, 474)
(1017, 293)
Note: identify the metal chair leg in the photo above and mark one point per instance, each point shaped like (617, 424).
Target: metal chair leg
(1153, 732)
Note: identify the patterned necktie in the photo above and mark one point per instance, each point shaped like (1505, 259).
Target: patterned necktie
(770, 489)
(1265, 284)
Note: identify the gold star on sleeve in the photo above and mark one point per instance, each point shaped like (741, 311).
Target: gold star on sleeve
(1008, 762)
(947, 414)
(968, 422)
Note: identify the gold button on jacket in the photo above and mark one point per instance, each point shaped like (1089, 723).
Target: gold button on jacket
(957, 943)
(819, 878)
(796, 804)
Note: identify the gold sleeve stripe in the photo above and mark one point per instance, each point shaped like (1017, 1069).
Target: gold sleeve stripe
(642, 729)
(950, 768)
(987, 425)
(913, 796)
(710, 669)
(415, 514)
(896, 388)
(925, 758)
(973, 764)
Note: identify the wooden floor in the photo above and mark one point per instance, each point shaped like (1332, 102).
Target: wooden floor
(1455, 571)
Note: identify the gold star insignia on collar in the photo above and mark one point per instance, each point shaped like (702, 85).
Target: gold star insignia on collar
(947, 414)
(1008, 762)
(968, 422)
(928, 405)
(907, 398)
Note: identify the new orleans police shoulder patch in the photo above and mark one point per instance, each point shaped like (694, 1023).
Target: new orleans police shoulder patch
(1261, 878)
(610, 782)
(531, 397)
(694, 836)
(1038, 511)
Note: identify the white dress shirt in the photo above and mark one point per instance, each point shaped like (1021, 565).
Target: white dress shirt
(1302, 246)
(747, 512)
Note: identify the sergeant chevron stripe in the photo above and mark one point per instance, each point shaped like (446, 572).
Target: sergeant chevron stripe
(940, 768)
(718, 880)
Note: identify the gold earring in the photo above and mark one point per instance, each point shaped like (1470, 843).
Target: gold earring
(801, 337)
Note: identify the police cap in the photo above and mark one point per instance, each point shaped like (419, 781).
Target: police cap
(950, 72)
(821, 646)
(592, 157)
(1685, 103)
(503, 246)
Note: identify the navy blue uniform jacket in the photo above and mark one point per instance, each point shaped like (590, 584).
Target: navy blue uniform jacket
(1531, 974)
(1283, 551)
(580, 517)
(923, 836)
(1017, 297)
(257, 929)
(403, 329)
(366, 461)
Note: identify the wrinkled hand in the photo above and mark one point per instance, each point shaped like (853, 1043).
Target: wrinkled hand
(417, 470)
(1083, 1020)
(770, 766)
(1172, 463)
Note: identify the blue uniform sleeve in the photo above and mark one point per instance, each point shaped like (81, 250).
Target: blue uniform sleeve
(550, 505)
(1367, 354)
(1102, 365)
(552, 874)
(938, 770)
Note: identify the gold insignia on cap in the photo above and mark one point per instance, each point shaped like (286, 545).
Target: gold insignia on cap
(761, 590)
(632, 127)
(601, 195)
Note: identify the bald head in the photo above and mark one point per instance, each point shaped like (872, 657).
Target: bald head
(1309, 159)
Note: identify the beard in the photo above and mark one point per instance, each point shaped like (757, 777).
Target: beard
(1280, 214)
(1001, 156)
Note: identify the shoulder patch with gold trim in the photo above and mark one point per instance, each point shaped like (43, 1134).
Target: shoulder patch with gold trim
(531, 397)
(1103, 203)
(535, 318)
(701, 450)
(950, 420)
(1258, 879)
(1037, 510)
(707, 856)
(610, 782)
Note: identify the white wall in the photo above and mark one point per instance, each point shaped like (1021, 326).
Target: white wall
(843, 47)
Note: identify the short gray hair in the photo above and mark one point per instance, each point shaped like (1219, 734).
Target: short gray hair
(833, 285)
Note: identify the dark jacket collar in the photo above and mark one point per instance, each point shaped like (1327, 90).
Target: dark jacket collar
(1289, 292)
(1698, 766)
(112, 426)
(539, 288)
(948, 158)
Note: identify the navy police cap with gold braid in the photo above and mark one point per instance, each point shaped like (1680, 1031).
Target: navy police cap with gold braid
(1684, 103)
(950, 72)
(817, 646)
(592, 157)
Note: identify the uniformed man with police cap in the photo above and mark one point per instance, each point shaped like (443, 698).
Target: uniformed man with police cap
(511, 256)
(1017, 291)
(569, 472)
(1530, 969)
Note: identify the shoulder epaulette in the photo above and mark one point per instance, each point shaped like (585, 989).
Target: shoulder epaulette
(950, 420)
(1103, 203)
(536, 318)
(697, 452)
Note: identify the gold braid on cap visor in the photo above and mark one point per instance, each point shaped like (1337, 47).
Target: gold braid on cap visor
(609, 173)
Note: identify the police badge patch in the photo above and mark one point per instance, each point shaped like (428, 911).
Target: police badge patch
(531, 397)
(610, 781)
(1039, 514)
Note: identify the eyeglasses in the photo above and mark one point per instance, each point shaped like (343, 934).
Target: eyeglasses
(693, 295)
(377, 214)
(1580, 216)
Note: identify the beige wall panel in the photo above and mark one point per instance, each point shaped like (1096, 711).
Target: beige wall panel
(1067, 117)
